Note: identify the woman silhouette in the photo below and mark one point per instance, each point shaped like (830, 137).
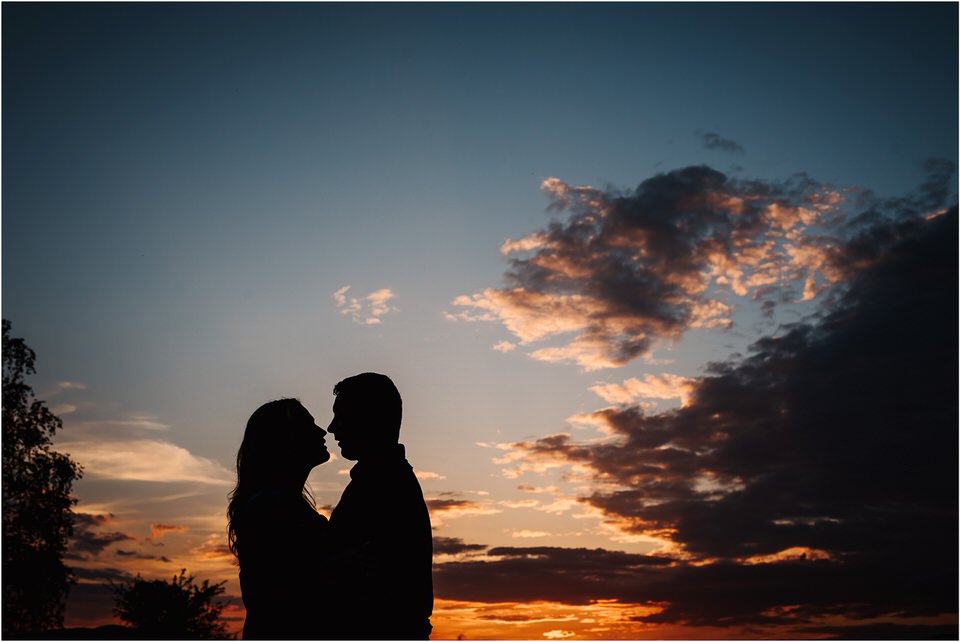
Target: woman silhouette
(273, 526)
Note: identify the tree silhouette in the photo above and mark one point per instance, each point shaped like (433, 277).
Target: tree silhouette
(175, 610)
(37, 515)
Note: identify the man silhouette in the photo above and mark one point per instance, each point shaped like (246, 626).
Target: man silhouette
(380, 530)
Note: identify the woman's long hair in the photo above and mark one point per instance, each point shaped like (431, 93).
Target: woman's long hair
(263, 459)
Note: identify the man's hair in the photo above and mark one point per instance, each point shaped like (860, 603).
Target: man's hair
(376, 397)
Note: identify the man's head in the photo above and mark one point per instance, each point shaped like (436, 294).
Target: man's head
(366, 415)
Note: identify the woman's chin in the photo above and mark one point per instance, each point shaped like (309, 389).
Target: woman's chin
(324, 457)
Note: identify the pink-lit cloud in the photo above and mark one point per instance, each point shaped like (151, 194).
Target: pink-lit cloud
(663, 386)
(368, 309)
(628, 270)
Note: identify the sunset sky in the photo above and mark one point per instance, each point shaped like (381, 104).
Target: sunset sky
(669, 292)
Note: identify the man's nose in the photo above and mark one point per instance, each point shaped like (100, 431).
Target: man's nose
(323, 432)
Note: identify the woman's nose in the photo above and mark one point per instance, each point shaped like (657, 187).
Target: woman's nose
(322, 431)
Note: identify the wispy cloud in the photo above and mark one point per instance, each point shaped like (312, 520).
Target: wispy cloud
(144, 460)
(424, 475)
(528, 534)
(130, 425)
(64, 409)
(538, 489)
(716, 142)
(539, 456)
(663, 386)
(366, 310)
(446, 508)
(158, 530)
(62, 386)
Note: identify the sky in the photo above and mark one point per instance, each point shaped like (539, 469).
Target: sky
(667, 290)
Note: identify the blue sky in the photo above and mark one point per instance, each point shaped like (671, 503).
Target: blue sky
(185, 187)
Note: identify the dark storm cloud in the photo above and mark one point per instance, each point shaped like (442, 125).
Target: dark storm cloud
(837, 436)
(719, 143)
(885, 631)
(628, 269)
(571, 575)
(789, 592)
(820, 470)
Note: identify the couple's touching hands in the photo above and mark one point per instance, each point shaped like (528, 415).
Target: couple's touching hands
(366, 573)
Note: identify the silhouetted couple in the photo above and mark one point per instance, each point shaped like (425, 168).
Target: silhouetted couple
(365, 574)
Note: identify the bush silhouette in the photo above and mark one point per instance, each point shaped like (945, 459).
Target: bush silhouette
(176, 610)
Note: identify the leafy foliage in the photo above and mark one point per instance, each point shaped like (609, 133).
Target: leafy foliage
(37, 501)
(175, 610)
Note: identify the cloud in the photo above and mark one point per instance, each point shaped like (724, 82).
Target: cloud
(144, 460)
(64, 409)
(86, 541)
(798, 592)
(102, 574)
(449, 508)
(664, 386)
(424, 475)
(366, 310)
(529, 620)
(539, 456)
(628, 270)
(158, 530)
(717, 142)
(568, 575)
(214, 548)
(528, 534)
(136, 424)
(813, 478)
(884, 631)
(454, 546)
(62, 386)
(142, 556)
(519, 503)
(538, 489)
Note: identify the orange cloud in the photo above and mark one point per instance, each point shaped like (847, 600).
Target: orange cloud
(663, 386)
(159, 530)
(600, 620)
(627, 270)
(365, 310)
(424, 475)
(444, 508)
